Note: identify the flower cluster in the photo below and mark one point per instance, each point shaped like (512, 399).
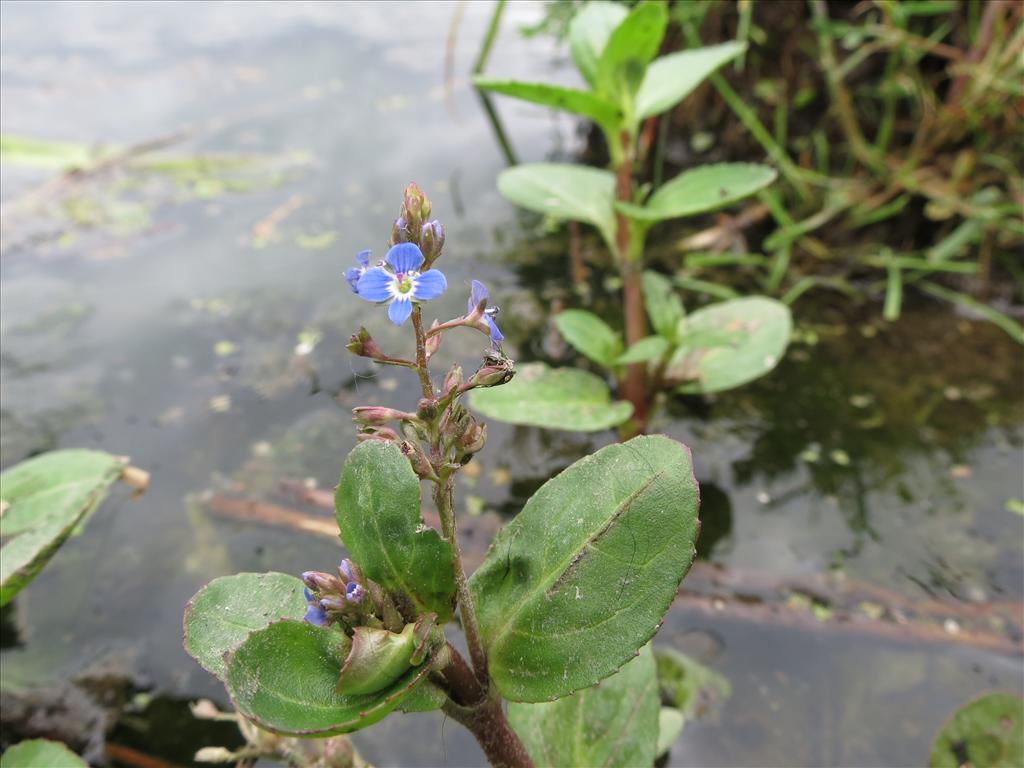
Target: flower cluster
(330, 596)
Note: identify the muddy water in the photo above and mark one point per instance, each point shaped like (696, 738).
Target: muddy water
(198, 326)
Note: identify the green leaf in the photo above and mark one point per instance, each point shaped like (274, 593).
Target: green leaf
(41, 753)
(590, 335)
(39, 153)
(378, 511)
(988, 731)
(670, 725)
(45, 499)
(222, 614)
(630, 48)
(589, 32)
(672, 78)
(756, 330)
(581, 578)
(554, 398)
(565, 192)
(663, 305)
(611, 724)
(688, 685)
(601, 111)
(645, 350)
(701, 190)
(283, 678)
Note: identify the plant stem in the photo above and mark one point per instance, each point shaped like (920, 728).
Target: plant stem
(491, 728)
(634, 387)
(443, 494)
(421, 354)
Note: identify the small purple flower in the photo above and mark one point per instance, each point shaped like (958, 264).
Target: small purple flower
(399, 282)
(316, 615)
(477, 294)
(353, 274)
(354, 593)
(346, 569)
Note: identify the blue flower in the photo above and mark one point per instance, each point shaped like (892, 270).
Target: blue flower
(353, 274)
(403, 283)
(354, 593)
(316, 615)
(478, 293)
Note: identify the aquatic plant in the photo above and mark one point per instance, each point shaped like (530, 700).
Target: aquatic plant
(717, 348)
(570, 594)
(44, 500)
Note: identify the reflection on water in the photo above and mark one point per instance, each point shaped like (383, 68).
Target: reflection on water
(208, 344)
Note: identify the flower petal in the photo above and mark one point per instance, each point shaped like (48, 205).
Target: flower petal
(429, 285)
(496, 335)
(315, 615)
(477, 293)
(399, 310)
(353, 275)
(404, 257)
(363, 257)
(375, 284)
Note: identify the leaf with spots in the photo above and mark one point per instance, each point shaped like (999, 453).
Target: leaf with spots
(581, 578)
(611, 724)
(224, 612)
(283, 678)
(988, 731)
(378, 510)
(730, 343)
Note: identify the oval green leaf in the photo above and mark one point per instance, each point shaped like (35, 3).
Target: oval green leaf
(222, 614)
(41, 753)
(283, 678)
(630, 48)
(611, 724)
(645, 350)
(45, 499)
(555, 398)
(670, 725)
(581, 578)
(988, 731)
(378, 509)
(664, 307)
(730, 343)
(672, 78)
(601, 111)
(589, 31)
(565, 192)
(701, 190)
(590, 335)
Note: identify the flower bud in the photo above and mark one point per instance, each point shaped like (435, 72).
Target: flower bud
(433, 343)
(453, 379)
(376, 659)
(431, 240)
(415, 207)
(418, 459)
(453, 423)
(381, 434)
(497, 369)
(399, 231)
(473, 439)
(426, 409)
(362, 344)
(317, 581)
(349, 571)
(378, 415)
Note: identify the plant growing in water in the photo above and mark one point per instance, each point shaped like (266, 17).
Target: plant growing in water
(716, 348)
(570, 594)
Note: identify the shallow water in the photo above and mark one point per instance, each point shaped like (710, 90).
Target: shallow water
(886, 452)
